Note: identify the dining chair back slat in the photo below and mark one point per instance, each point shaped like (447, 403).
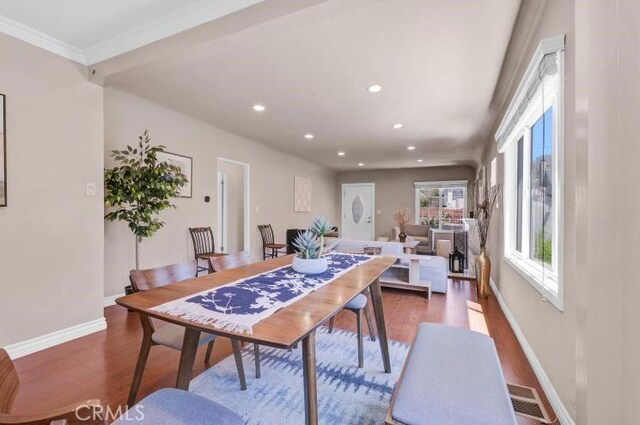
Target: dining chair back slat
(203, 242)
(230, 261)
(266, 231)
(142, 280)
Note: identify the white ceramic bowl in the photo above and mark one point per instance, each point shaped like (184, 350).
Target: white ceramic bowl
(310, 266)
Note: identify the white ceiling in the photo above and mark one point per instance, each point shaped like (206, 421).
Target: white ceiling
(437, 61)
(95, 30)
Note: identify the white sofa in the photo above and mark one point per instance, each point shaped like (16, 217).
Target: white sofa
(434, 269)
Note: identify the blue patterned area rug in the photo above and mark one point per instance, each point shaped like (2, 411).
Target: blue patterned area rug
(346, 394)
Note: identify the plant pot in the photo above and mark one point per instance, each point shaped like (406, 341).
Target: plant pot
(483, 274)
(402, 237)
(310, 265)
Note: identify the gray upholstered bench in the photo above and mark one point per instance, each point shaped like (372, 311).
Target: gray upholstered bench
(175, 407)
(452, 376)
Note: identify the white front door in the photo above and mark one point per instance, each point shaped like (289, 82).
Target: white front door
(357, 211)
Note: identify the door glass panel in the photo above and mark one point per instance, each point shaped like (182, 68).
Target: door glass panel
(357, 209)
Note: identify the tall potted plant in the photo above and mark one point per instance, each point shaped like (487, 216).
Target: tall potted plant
(139, 187)
(484, 210)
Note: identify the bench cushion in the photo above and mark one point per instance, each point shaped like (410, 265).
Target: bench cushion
(175, 407)
(452, 376)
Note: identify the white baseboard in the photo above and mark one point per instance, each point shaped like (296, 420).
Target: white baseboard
(109, 301)
(39, 343)
(559, 408)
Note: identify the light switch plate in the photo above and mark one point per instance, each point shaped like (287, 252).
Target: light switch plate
(90, 189)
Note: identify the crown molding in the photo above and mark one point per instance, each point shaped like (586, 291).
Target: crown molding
(167, 26)
(151, 32)
(39, 39)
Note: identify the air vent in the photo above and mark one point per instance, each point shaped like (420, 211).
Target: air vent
(526, 402)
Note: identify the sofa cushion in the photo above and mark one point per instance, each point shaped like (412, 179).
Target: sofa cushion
(416, 230)
(422, 239)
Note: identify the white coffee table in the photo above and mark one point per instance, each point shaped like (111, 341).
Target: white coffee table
(406, 276)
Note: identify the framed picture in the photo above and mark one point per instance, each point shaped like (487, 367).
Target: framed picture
(302, 194)
(3, 153)
(185, 164)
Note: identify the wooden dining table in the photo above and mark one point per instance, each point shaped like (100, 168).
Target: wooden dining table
(293, 324)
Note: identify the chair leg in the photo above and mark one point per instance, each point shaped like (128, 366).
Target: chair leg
(207, 356)
(237, 354)
(359, 315)
(372, 331)
(331, 324)
(264, 253)
(256, 355)
(137, 375)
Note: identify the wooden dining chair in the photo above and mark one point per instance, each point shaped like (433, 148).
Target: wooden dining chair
(170, 335)
(204, 247)
(358, 305)
(268, 242)
(233, 261)
(9, 386)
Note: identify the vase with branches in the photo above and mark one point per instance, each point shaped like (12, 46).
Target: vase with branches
(139, 187)
(401, 217)
(485, 206)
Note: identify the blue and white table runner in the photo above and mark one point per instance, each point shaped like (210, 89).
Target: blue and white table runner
(239, 305)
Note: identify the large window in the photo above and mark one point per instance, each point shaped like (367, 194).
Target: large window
(531, 139)
(441, 205)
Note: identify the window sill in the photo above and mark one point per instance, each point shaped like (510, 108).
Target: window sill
(532, 274)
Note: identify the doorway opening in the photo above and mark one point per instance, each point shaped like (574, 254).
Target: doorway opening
(233, 229)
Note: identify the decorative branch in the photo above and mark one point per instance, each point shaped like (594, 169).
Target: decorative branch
(485, 210)
(401, 217)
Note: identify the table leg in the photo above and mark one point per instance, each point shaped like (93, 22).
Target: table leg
(310, 387)
(187, 358)
(376, 302)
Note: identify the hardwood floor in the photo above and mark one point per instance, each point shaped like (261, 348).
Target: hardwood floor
(101, 365)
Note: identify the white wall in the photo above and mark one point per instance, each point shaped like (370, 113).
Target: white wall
(550, 332)
(51, 235)
(608, 125)
(271, 186)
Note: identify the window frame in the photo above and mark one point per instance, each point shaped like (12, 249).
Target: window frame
(448, 184)
(548, 282)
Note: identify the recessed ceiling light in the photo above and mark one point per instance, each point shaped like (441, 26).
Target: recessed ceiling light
(419, 160)
(341, 153)
(308, 136)
(258, 108)
(361, 164)
(411, 148)
(374, 88)
(397, 126)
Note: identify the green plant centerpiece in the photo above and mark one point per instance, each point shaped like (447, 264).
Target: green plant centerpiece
(139, 188)
(309, 246)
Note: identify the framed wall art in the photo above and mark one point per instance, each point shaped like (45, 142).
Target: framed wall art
(185, 163)
(302, 194)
